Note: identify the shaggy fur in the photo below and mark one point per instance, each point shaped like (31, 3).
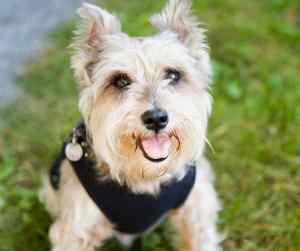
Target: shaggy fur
(113, 120)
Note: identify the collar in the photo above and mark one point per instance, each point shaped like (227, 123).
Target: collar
(76, 148)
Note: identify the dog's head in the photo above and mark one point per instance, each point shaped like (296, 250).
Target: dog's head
(145, 100)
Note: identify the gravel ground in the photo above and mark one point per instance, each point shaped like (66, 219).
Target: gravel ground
(23, 25)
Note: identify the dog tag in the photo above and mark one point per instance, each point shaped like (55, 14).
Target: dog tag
(74, 152)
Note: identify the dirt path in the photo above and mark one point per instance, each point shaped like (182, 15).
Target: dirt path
(23, 25)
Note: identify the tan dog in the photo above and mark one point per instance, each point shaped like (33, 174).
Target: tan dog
(145, 104)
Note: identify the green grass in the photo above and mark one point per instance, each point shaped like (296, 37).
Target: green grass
(254, 129)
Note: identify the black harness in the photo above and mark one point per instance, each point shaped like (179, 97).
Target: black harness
(129, 212)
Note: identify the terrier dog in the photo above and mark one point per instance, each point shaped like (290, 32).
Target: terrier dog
(137, 157)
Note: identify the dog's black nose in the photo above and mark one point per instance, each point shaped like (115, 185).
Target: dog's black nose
(155, 119)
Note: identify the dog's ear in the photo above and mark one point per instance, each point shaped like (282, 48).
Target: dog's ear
(177, 17)
(95, 22)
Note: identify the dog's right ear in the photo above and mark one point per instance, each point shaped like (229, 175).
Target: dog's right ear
(95, 22)
(177, 17)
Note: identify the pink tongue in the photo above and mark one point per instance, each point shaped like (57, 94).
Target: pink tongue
(157, 147)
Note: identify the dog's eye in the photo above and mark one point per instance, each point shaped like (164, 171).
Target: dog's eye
(173, 75)
(121, 81)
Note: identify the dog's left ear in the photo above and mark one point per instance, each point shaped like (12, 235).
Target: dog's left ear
(94, 24)
(177, 17)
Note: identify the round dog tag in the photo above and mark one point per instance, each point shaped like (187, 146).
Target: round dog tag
(74, 152)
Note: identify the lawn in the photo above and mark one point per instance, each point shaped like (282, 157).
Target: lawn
(254, 129)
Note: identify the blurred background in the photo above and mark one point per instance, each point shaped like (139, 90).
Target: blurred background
(254, 129)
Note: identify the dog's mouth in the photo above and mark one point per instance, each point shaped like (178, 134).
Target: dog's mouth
(155, 148)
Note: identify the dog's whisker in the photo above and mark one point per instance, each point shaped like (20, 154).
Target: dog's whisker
(209, 145)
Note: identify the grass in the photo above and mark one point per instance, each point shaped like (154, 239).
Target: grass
(254, 129)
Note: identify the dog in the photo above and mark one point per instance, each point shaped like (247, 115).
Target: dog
(138, 154)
